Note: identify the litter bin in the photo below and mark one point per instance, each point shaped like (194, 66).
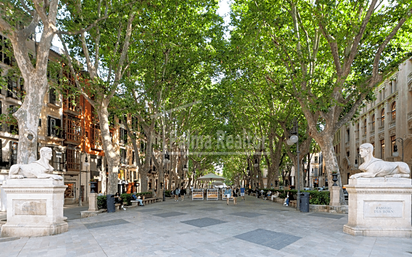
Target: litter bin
(304, 202)
(110, 203)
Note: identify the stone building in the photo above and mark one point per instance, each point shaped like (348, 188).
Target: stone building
(385, 122)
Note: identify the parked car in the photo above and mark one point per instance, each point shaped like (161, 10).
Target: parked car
(307, 188)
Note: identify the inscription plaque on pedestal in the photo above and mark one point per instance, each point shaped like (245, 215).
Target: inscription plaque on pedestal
(383, 209)
(29, 207)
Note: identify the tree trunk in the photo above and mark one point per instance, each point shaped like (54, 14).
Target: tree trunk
(332, 165)
(112, 156)
(28, 117)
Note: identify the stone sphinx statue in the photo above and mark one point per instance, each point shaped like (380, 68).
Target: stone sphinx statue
(38, 169)
(373, 167)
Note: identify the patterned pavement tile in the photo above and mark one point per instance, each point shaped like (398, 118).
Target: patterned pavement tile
(324, 215)
(203, 222)
(169, 214)
(101, 224)
(268, 238)
(210, 209)
(246, 214)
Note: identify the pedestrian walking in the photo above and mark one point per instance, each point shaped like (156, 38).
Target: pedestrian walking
(242, 193)
(182, 193)
(177, 192)
(228, 193)
(235, 194)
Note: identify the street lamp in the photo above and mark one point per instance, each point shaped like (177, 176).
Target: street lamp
(166, 161)
(294, 139)
(86, 165)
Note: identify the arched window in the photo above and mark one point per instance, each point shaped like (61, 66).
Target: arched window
(373, 121)
(383, 117)
(393, 111)
(364, 127)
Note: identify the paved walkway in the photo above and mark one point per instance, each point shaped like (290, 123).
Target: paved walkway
(208, 228)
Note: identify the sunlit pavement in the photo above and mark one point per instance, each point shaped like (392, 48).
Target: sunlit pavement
(206, 228)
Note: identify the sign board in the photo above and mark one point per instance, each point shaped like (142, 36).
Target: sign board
(197, 194)
(213, 194)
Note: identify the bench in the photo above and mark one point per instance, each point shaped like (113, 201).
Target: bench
(145, 201)
(149, 200)
(117, 206)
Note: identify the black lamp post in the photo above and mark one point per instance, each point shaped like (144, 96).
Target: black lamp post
(292, 140)
(167, 160)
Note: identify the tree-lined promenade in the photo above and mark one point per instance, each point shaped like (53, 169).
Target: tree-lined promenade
(186, 78)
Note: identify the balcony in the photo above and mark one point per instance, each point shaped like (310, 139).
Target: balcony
(96, 138)
(72, 107)
(73, 130)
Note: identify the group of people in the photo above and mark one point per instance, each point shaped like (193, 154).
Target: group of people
(119, 199)
(234, 193)
(179, 192)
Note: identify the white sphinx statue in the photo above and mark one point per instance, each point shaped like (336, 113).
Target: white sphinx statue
(373, 167)
(38, 169)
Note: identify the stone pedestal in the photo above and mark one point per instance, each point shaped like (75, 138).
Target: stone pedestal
(34, 207)
(93, 202)
(379, 207)
(334, 201)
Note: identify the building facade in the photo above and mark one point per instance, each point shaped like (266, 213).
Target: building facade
(385, 122)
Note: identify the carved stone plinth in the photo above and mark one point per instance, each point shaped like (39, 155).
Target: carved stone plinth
(379, 207)
(34, 208)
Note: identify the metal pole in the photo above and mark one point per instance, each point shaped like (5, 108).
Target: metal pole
(298, 171)
(402, 147)
(80, 188)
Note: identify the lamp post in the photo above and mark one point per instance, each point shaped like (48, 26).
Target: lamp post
(166, 161)
(292, 140)
(86, 164)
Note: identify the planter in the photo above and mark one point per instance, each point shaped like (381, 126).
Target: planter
(334, 178)
(93, 186)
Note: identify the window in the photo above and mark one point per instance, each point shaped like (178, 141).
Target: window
(142, 146)
(393, 111)
(347, 135)
(13, 153)
(54, 128)
(383, 117)
(73, 159)
(123, 135)
(316, 159)
(393, 143)
(357, 130)
(382, 148)
(373, 122)
(123, 159)
(52, 96)
(135, 123)
(364, 127)
(13, 127)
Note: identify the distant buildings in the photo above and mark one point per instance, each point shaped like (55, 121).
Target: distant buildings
(386, 123)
